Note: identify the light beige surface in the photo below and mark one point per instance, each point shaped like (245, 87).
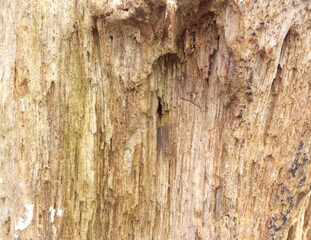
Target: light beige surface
(161, 120)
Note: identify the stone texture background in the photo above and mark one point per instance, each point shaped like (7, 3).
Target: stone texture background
(177, 119)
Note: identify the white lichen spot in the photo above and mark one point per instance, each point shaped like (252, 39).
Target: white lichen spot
(21, 185)
(172, 3)
(117, 2)
(22, 104)
(227, 166)
(54, 231)
(165, 16)
(23, 223)
(272, 42)
(59, 212)
(1, 180)
(16, 235)
(242, 1)
(241, 171)
(52, 211)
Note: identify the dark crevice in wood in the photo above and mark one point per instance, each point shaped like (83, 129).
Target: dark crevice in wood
(160, 109)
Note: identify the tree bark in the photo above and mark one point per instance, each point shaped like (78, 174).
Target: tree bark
(154, 119)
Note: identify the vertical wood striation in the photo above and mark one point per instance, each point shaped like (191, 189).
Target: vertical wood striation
(155, 119)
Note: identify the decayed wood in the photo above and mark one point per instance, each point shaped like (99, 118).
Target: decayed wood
(155, 119)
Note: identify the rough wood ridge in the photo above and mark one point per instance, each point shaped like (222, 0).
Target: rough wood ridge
(155, 120)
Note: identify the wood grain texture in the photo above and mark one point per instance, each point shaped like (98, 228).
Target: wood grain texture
(160, 120)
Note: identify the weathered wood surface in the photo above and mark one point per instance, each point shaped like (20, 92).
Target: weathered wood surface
(155, 119)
